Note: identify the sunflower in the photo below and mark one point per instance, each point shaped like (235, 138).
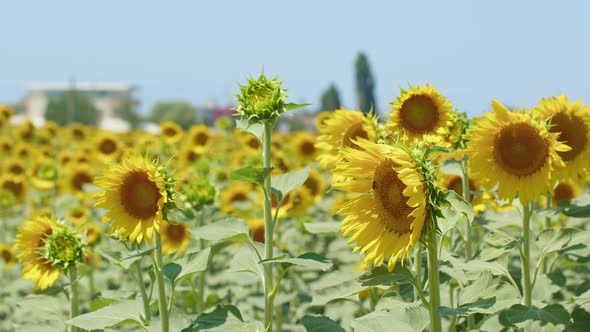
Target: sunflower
(565, 191)
(107, 146)
(315, 183)
(77, 176)
(572, 124)
(386, 216)
(5, 111)
(256, 226)
(300, 200)
(78, 215)
(134, 194)
(7, 255)
(303, 146)
(189, 155)
(455, 183)
(14, 167)
(514, 151)
(29, 244)
(170, 132)
(339, 131)
(6, 145)
(14, 184)
(235, 199)
(199, 136)
(175, 237)
(420, 115)
(321, 117)
(77, 132)
(92, 233)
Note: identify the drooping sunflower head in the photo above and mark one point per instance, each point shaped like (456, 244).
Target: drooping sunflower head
(170, 132)
(135, 193)
(339, 131)
(29, 243)
(571, 122)
(175, 237)
(514, 151)
(421, 116)
(261, 98)
(386, 217)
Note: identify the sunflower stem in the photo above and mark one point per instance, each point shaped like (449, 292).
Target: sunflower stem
(548, 202)
(418, 264)
(268, 227)
(466, 194)
(202, 275)
(74, 301)
(144, 297)
(161, 286)
(525, 254)
(433, 282)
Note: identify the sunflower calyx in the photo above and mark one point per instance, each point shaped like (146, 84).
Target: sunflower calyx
(63, 248)
(199, 192)
(261, 99)
(48, 171)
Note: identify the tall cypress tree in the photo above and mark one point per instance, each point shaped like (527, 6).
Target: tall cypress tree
(330, 99)
(365, 84)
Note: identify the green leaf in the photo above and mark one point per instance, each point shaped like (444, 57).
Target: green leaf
(254, 128)
(554, 240)
(120, 313)
(285, 183)
(225, 229)
(379, 322)
(171, 271)
(192, 263)
(469, 308)
(246, 260)
(293, 106)
(320, 323)
(326, 227)
(460, 205)
(124, 259)
(553, 313)
(250, 174)
(575, 211)
(216, 318)
(382, 276)
(581, 320)
(310, 260)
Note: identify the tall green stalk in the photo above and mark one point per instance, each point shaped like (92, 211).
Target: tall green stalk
(203, 274)
(433, 282)
(268, 227)
(468, 236)
(146, 302)
(525, 254)
(161, 286)
(74, 300)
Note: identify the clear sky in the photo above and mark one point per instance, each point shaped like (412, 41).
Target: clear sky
(473, 51)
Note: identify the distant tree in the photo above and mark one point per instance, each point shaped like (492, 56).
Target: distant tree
(180, 112)
(330, 99)
(128, 112)
(365, 84)
(72, 106)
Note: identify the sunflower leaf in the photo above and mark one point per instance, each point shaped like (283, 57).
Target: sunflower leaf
(555, 240)
(250, 174)
(294, 106)
(381, 276)
(320, 323)
(120, 313)
(193, 263)
(460, 205)
(309, 260)
(226, 229)
(469, 308)
(254, 128)
(553, 313)
(285, 183)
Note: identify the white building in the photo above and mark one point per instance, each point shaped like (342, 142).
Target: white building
(107, 97)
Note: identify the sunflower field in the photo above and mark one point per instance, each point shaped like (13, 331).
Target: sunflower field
(427, 221)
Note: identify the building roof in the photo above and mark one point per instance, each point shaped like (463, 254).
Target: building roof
(82, 86)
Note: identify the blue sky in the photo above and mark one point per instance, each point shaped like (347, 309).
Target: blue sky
(514, 51)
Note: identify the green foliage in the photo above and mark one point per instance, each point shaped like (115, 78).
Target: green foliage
(72, 106)
(365, 84)
(181, 112)
(330, 99)
(320, 324)
(553, 313)
(285, 183)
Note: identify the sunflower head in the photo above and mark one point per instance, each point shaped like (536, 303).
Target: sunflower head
(63, 247)
(386, 217)
(7, 254)
(107, 146)
(565, 191)
(261, 98)
(170, 132)
(571, 122)
(420, 115)
(256, 227)
(175, 237)
(514, 151)
(5, 111)
(136, 193)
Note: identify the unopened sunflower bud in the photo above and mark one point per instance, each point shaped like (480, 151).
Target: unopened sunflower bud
(199, 192)
(63, 248)
(261, 99)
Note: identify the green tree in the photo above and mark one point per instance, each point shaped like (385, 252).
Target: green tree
(180, 112)
(128, 112)
(72, 106)
(365, 84)
(330, 99)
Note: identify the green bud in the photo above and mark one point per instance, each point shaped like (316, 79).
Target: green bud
(63, 248)
(7, 199)
(261, 99)
(48, 171)
(199, 192)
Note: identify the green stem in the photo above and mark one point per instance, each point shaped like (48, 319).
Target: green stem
(161, 286)
(525, 254)
(144, 297)
(373, 298)
(433, 282)
(268, 227)
(202, 275)
(91, 282)
(548, 204)
(466, 194)
(418, 264)
(74, 301)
